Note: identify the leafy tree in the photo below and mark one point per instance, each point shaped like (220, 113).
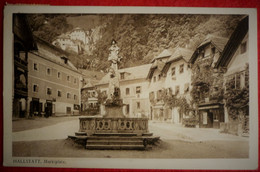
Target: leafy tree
(237, 99)
(140, 37)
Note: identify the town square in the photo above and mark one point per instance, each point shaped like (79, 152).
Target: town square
(130, 86)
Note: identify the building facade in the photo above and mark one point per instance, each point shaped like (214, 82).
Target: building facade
(207, 82)
(23, 44)
(54, 83)
(177, 73)
(66, 43)
(78, 41)
(169, 79)
(89, 100)
(156, 86)
(235, 63)
(89, 94)
(133, 90)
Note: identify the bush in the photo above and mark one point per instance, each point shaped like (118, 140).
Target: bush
(190, 122)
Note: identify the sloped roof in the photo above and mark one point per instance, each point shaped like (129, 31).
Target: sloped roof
(137, 72)
(163, 54)
(218, 42)
(233, 42)
(179, 53)
(156, 65)
(64, 36)
(53, 54)
(88, 85)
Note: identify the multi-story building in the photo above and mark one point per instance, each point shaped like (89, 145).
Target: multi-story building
(89, 99)
(169, 75)
(23, 44)
(66, 43)
(156, 85)
(79, 34)
(89, 94)
(134, 90)
(53, 82)
(234, 61)
(78, 41)
(207, 82)
(177, 73)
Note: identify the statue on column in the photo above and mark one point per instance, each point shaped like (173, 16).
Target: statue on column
(113, 89)
(113, 55)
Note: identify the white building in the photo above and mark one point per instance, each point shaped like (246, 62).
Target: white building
(66, 43)
(78, 34)
(156, 85)
(53, 82)
(177, 75)
(134, 90)
(169, 74)
(235, 60)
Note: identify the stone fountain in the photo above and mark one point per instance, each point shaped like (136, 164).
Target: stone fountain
(114, 130)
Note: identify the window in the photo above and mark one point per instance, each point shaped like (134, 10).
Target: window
(59, 75)
(75, 80)
(35, 88)
(127, 91)
(186, 87)
(169, 91)
(59, 93)
(48, 91)
(181, 68)
(154, 79)
(243, 48)
(138, 90)
(177, 90)
(75, 97)
(104, 93)
(237, 80)
(138, 105)
(159, 95)
(202, 54)
(122, 75)
(48, 71)
(173, 71)
(35, 66)
(213, 50)
(68, 78)
(159, 77)
(68, 95)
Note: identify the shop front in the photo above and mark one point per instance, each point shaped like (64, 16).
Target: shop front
(211, 115)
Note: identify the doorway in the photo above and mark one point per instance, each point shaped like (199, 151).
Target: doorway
(48, 108)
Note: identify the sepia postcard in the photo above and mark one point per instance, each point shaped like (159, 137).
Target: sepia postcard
(130, 87)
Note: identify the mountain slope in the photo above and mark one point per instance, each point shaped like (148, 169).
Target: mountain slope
(141, 37)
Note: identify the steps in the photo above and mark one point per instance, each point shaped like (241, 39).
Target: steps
(115, 141)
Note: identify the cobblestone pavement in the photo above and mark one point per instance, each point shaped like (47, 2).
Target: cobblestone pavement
(167, 131)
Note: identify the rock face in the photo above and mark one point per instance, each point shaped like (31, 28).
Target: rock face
(78, 40)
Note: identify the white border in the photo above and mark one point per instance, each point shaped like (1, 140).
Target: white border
(250, 163)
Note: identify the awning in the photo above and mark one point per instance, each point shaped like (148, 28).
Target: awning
(206, 106)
